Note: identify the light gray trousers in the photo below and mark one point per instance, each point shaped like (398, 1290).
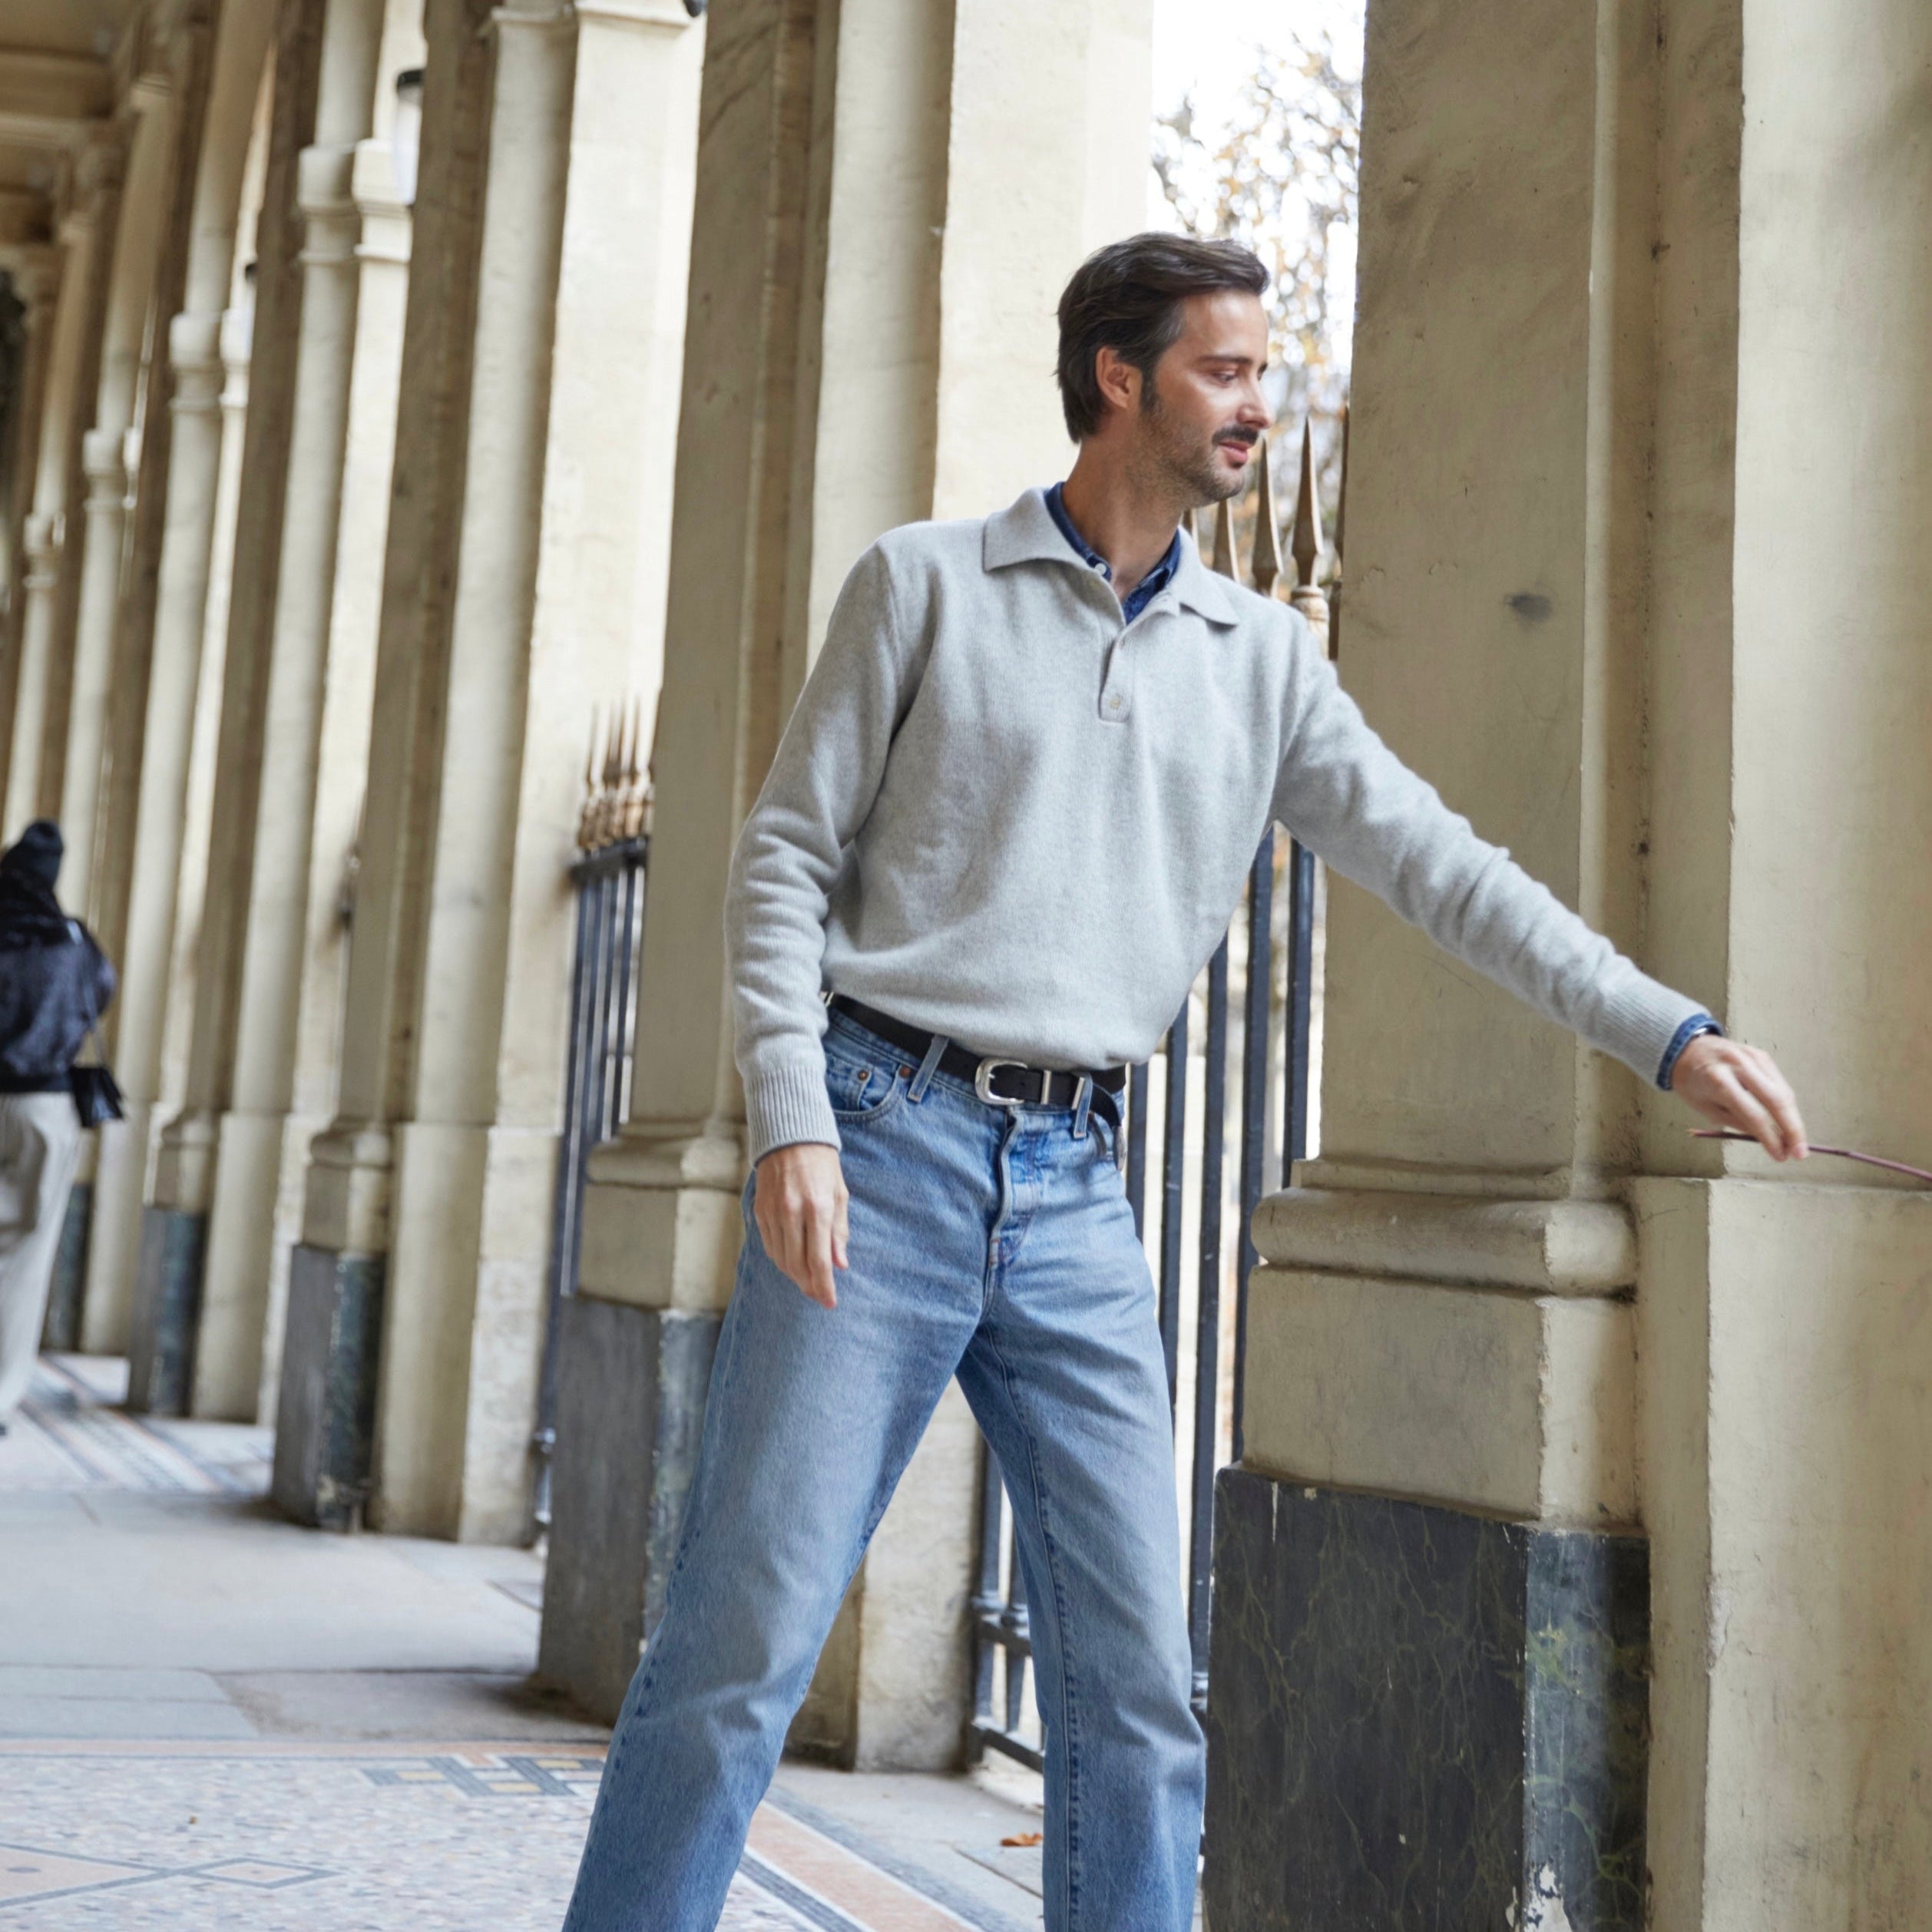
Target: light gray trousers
(39, 1141)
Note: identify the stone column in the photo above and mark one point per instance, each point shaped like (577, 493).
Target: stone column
(326, 1422)
(35, 276)
(1612, 1441)
(104, 453)
(50, 346)
(892, 158)
(484, 946)
(142, 869)
(246, 596)
(36, 623)
(198, 811)
(40, 547)
(89, 230)
(313, 718)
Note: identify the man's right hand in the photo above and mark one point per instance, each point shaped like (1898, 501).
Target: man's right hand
(800, 1208)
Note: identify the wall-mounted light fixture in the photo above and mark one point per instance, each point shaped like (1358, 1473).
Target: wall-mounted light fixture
(405, 137)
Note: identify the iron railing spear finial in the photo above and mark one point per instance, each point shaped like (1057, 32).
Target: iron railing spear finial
(1307, 597)
(588, 817)
(1264, 569)
(1340, 525)
(1226, 560)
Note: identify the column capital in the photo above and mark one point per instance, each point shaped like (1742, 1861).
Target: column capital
(670, 15)
(194, 353)
(100, 162)
(238, 341)
(545, 15)
(36, 273)
(105, 467)
(41, 539)
(384, 214)
(324, 193)
(147, 92)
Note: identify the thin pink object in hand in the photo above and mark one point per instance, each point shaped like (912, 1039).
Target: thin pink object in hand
(1844, 1153)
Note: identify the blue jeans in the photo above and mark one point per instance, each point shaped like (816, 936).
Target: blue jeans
(993, 1244)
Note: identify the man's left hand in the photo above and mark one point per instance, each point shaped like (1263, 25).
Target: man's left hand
(1740, 1087)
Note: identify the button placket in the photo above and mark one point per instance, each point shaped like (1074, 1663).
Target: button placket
(1116, 686)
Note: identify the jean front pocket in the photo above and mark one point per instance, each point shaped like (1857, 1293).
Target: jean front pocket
(861, 1090)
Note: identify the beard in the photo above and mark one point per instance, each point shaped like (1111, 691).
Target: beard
(1179, 461)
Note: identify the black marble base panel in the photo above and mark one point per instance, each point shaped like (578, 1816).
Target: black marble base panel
(60, 1330)
(167, 1311)
(325, 1416)
(631, 1385)
(1421, 1720)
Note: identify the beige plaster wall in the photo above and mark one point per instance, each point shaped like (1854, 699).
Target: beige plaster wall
(1787, 1484)
(1830, 924)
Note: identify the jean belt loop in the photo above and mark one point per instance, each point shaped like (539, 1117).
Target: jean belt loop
(1082, 1107)
(935, 1052)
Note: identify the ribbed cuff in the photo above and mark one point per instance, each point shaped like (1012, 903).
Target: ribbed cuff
(788, 1104)
(1698, 1024)
(1641, 1021)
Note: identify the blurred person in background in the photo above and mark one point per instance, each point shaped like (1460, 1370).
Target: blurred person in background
(54, 983)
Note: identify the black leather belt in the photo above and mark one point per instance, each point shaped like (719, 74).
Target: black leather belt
(996, 1081)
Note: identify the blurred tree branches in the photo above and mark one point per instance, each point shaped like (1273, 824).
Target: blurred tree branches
(1282, 176)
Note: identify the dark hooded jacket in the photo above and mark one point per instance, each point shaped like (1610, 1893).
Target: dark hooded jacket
(54, 981)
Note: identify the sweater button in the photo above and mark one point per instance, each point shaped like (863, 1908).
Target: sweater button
(1113, 703)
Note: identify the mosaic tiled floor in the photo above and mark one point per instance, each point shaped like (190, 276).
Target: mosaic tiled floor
(281, 1782)
(69, 1436)
(276, 1837)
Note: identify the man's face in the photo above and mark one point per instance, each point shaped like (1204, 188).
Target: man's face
(1202, 415)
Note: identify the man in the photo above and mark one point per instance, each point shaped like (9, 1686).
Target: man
(1006, 827)
(53, 985)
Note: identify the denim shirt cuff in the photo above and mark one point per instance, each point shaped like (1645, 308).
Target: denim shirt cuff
(1698, 1023)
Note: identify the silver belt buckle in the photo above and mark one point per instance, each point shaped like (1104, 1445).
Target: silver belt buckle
(983, 1082)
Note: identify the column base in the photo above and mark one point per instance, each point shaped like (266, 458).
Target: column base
(662, 1218)
(60, 1329)
(326, 1416)
(631, 1386)
(1420, 1717)
(167, 1312)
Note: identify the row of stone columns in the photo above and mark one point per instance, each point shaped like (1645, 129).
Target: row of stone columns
(311, 690)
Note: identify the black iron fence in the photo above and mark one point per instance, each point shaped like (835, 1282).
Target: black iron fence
(1213, 1120)
(609, 880)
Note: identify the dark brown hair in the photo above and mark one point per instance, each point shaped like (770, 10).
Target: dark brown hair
(1127, 297)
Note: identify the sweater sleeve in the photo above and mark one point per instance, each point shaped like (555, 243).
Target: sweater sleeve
(820, 789)
(1347, 797)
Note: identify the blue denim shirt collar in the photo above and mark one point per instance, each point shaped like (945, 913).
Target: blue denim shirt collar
(1143, 593)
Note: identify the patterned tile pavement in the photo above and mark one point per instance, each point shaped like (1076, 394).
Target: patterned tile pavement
(71, 1436)
(281, 1837)
(212, 1830)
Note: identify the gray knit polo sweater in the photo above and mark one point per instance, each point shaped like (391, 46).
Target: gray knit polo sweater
(999, 815)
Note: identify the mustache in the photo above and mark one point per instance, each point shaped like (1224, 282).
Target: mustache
(1247, 437)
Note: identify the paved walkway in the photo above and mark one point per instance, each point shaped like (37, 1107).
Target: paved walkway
(211, 1719)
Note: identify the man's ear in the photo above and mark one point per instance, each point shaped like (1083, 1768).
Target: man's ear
(1116, 379)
